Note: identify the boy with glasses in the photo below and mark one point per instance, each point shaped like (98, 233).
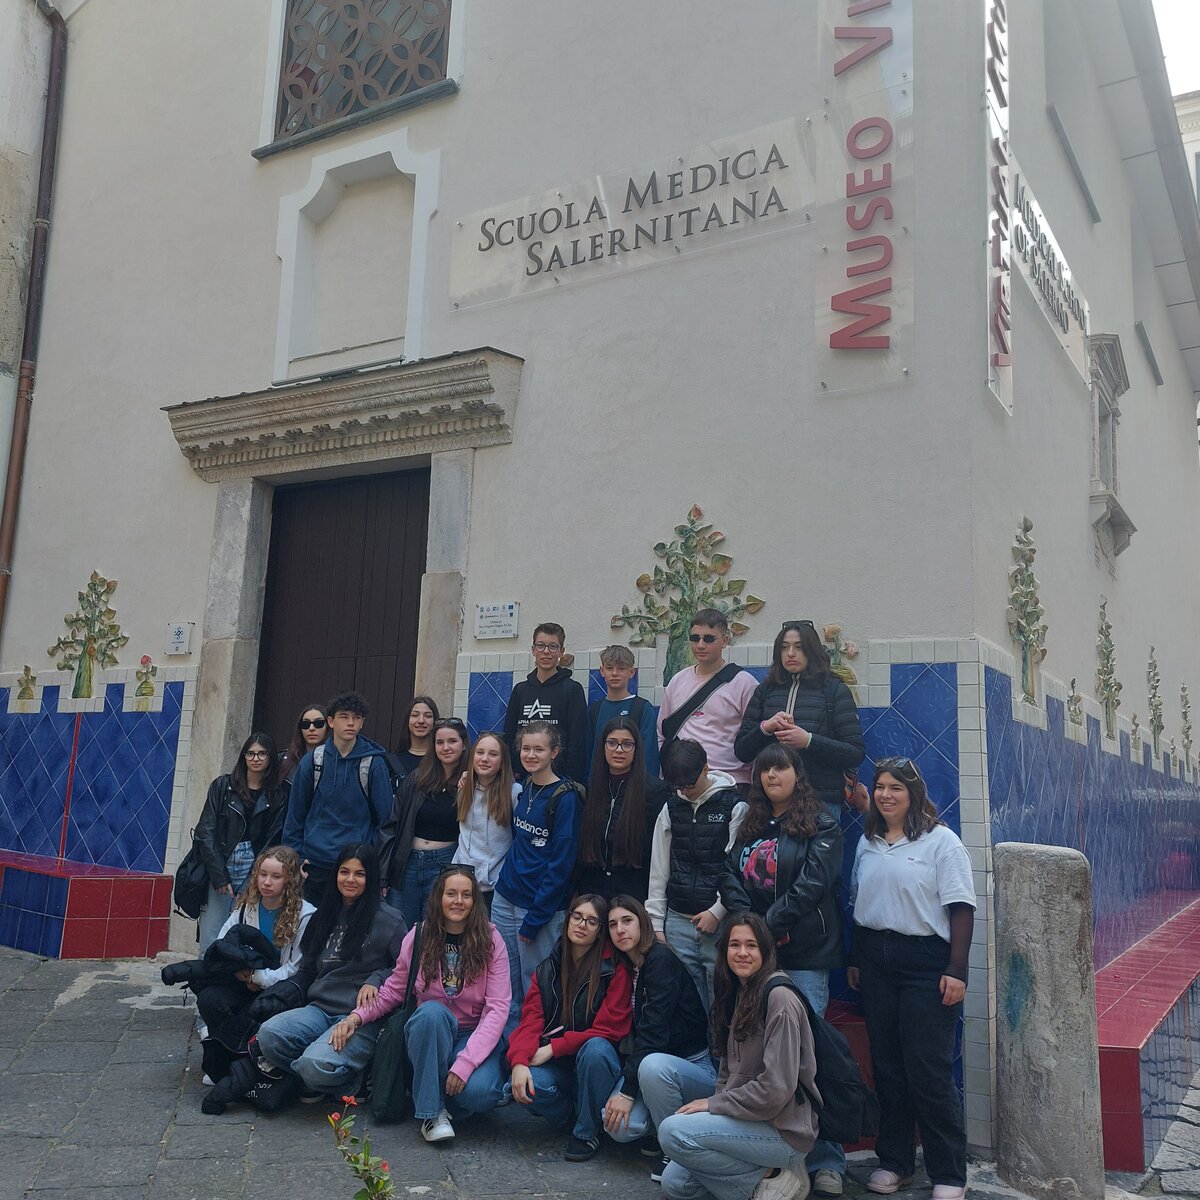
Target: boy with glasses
(548, 693)
(341, 794)
(707, 701)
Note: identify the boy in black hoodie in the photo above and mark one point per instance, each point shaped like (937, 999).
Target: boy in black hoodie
(549, 694)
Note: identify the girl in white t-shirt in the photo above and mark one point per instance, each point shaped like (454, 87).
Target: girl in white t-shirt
(914, 908)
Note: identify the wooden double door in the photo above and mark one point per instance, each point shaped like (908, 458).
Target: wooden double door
(342, 599)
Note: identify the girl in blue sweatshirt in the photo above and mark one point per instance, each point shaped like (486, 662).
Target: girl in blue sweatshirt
(535, 880)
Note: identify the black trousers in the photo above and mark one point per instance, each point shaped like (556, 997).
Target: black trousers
(912, 1053)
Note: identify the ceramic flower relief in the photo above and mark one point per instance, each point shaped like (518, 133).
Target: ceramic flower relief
(840, 650)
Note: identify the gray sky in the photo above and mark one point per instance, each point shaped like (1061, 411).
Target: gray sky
(1179, 28)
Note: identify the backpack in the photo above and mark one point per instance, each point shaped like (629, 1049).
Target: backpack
(394, 770)
(552, 803)
(847, 1109)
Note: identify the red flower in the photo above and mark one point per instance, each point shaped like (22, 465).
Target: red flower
(350, 1100)
(335, 1116)
(383, 1165)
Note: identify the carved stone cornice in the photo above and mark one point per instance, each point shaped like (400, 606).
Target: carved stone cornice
(459, 401)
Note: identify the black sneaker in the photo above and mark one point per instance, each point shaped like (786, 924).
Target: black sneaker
(649, 1147)
(656, 1173)
(580, 1151)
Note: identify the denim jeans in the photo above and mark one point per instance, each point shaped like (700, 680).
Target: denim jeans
(298, 1041)
(523, 957)
(721, 1157)
(577, 1087)
(912, 1053)
(433, 1041)
(420, 874)
(697, 951)
(665, 1084)
(213, 915)
(824, 1156)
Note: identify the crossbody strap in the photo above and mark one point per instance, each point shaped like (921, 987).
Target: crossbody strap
(674, 723)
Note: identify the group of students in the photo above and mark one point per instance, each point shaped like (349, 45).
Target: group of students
(591, 940)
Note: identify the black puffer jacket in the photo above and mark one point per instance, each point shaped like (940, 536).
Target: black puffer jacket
(227, 819)
(827, 710)
(801, 903)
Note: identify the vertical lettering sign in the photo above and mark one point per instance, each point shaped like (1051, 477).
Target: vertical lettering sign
(999, 241)
(864, 305)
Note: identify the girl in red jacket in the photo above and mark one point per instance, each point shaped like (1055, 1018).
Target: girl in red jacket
(579, 1000)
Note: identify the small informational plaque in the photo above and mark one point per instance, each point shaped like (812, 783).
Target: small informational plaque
(496, 620)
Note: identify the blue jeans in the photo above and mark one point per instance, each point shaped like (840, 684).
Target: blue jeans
(433, 1041)
(824, 1156)
(420, 874)
(697, 951)
(721, 1157)
(298, 1041)
(576, 1087)
(912, 1053)
(523, 957)
(665, 1084)
(213, 915)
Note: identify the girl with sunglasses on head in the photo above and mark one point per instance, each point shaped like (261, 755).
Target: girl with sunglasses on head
(914, 910)
(312, 728)
(803, 705)
(243, 813)
(486, 795)
(421, 835)
(619, 813)
(576, 1011)
(786, 866)
(462, 990)
(750, 1136)
(415, 740)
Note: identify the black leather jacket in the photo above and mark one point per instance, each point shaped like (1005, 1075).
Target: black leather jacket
(803, 906)
(226, 819)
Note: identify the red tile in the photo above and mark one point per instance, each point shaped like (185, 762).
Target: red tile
(1122, 1137)
(83, 938)
(1120, 1081)
(160, 935)
(89, 898)
(132, 897)
(127, 937)
(160, 906)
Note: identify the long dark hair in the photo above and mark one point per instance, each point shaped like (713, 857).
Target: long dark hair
(921, 816)
(299, 747)
(431, 777)
(737, 1007)
(475, 948)
(800, 817)
(818, 669)
(573, 974)
(238, 776)
(404, 736)
(629, 847)
(362, 912)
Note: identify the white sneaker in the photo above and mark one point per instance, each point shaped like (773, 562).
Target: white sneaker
(207, 1081)
(787, 1185)
(827, 1182)
(438, 1129)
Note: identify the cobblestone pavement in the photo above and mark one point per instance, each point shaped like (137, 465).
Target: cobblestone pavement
(100, 1100)
(1177, 1164)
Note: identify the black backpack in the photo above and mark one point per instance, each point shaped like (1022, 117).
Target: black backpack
(391, 762)
(847, 1110)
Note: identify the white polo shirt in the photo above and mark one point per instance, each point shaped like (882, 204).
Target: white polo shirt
(906, 886)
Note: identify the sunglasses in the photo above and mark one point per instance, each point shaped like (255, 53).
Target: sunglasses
(450, 723)
(315, 723)
(457, 869)
(706, 638)
(905, 765)
(798, 624)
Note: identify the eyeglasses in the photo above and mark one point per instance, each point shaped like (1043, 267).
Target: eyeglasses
(798, 623)
(578, 918)
(315, 723)
(546, 647)
(706, 638)
(258, 754)
(623, 747)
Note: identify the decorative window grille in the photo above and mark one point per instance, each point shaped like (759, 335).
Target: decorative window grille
(346, 57)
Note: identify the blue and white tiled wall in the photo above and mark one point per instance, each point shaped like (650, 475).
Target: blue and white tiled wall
(121, 760)
(998, 769)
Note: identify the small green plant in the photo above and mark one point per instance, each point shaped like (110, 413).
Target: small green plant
(371, 1171)
(1025, 610)
(691, 576)
(93, 636)
(1108, 688)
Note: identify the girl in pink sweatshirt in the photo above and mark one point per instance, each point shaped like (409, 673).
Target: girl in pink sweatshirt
(463, 995)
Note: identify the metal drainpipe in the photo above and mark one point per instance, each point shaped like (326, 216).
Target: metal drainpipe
(34, 297)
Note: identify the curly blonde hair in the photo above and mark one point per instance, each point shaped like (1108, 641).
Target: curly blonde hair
(288, 920)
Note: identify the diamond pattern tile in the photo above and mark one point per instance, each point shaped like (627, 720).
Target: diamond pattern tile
(487, 701)
(35, 751)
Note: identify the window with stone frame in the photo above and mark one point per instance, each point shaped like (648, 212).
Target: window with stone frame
(346, 61)
(1109, 382)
